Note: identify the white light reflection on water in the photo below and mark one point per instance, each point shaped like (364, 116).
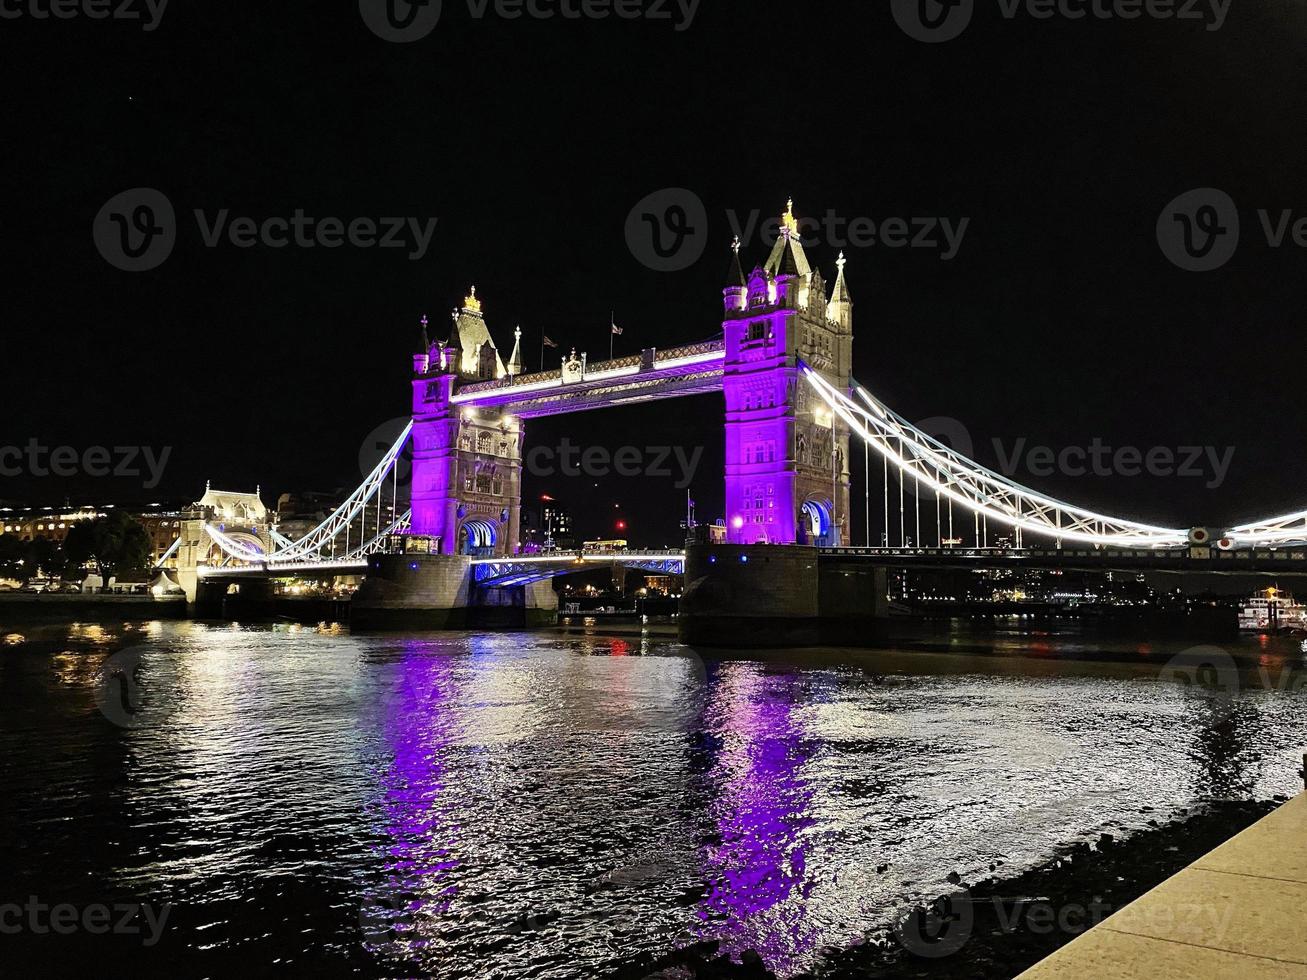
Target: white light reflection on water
(548, 806)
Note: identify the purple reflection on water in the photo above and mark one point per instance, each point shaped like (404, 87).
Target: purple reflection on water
(757, 870)
(420, 861)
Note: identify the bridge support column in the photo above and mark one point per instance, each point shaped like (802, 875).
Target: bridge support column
(193, 549)
(780, 596)
(750, 596)
(413, 592)
(439, 592)
(854, 603)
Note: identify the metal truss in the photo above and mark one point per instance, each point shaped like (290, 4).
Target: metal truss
(1290, 529)
(525, 570)
(276, 561)
(976, 488)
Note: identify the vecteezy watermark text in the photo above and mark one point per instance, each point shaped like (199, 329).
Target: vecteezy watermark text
(570, 459)
(137, 230)
(1096, 459)
(1100, 459)
(35, 459)
(149, 12)
(406, 21)
(947, 925)
(667, 231)
(943, 235)
(65, 919)
(934, 21)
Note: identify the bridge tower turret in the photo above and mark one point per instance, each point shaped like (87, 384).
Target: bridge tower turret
(467, 463)
(787, 477)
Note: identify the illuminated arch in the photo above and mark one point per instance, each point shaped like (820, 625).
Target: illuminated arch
(477, 538)
(817, 523)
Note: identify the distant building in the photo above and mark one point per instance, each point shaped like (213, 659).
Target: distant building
(301, 512)
(559, 527)
(162, 521)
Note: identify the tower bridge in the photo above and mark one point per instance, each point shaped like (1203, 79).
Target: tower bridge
(782, 363)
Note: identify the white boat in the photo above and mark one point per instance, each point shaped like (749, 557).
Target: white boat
(1272, 611)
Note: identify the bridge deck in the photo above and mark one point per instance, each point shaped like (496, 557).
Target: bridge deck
(1250, 561)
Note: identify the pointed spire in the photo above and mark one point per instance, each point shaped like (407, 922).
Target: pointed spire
(426, 340)
(471, 303)
(789, 223)
(840, 308)
(515, 362)
(787, 257)
(841, 294)
(735, 274)
(454, 340)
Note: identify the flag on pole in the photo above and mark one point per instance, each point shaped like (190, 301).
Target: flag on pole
(617, 331)
(544, 339)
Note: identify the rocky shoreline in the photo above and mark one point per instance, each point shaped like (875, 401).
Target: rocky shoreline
(999, 927)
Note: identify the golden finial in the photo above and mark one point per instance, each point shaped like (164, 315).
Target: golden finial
(471, 302)
(788, 220)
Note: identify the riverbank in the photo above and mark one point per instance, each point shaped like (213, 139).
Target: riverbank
(74, 606)
(999, 927)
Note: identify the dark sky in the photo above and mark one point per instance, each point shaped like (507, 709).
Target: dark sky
(1059, 321)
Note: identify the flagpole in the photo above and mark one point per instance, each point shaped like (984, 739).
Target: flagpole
(612, 332)
(542, 350)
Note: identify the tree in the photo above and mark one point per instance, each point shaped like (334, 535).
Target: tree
(45, 555)
(116, 544)
(13, 554)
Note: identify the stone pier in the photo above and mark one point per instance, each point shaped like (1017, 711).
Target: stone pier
(778, 596)
(435, 592)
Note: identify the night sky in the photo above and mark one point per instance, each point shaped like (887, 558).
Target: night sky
(1059, 320)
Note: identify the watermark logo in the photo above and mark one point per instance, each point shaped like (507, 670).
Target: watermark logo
(377, 443)
(932, 21)
(1213, 671)
(401, 21)
(935, 234)
(148, 12)
(939, 930)
(1199, 230)
(405, 21)
(667, 231)
(1207, 667)
(121, 694)
(35, 459)
(136, 230)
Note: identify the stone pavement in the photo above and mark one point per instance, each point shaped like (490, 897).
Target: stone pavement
(1239, 913)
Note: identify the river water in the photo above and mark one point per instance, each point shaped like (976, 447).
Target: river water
(551, 805)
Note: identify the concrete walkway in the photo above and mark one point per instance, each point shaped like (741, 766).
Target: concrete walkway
(1239, 913)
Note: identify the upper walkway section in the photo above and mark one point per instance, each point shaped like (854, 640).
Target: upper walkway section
(577, 386)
